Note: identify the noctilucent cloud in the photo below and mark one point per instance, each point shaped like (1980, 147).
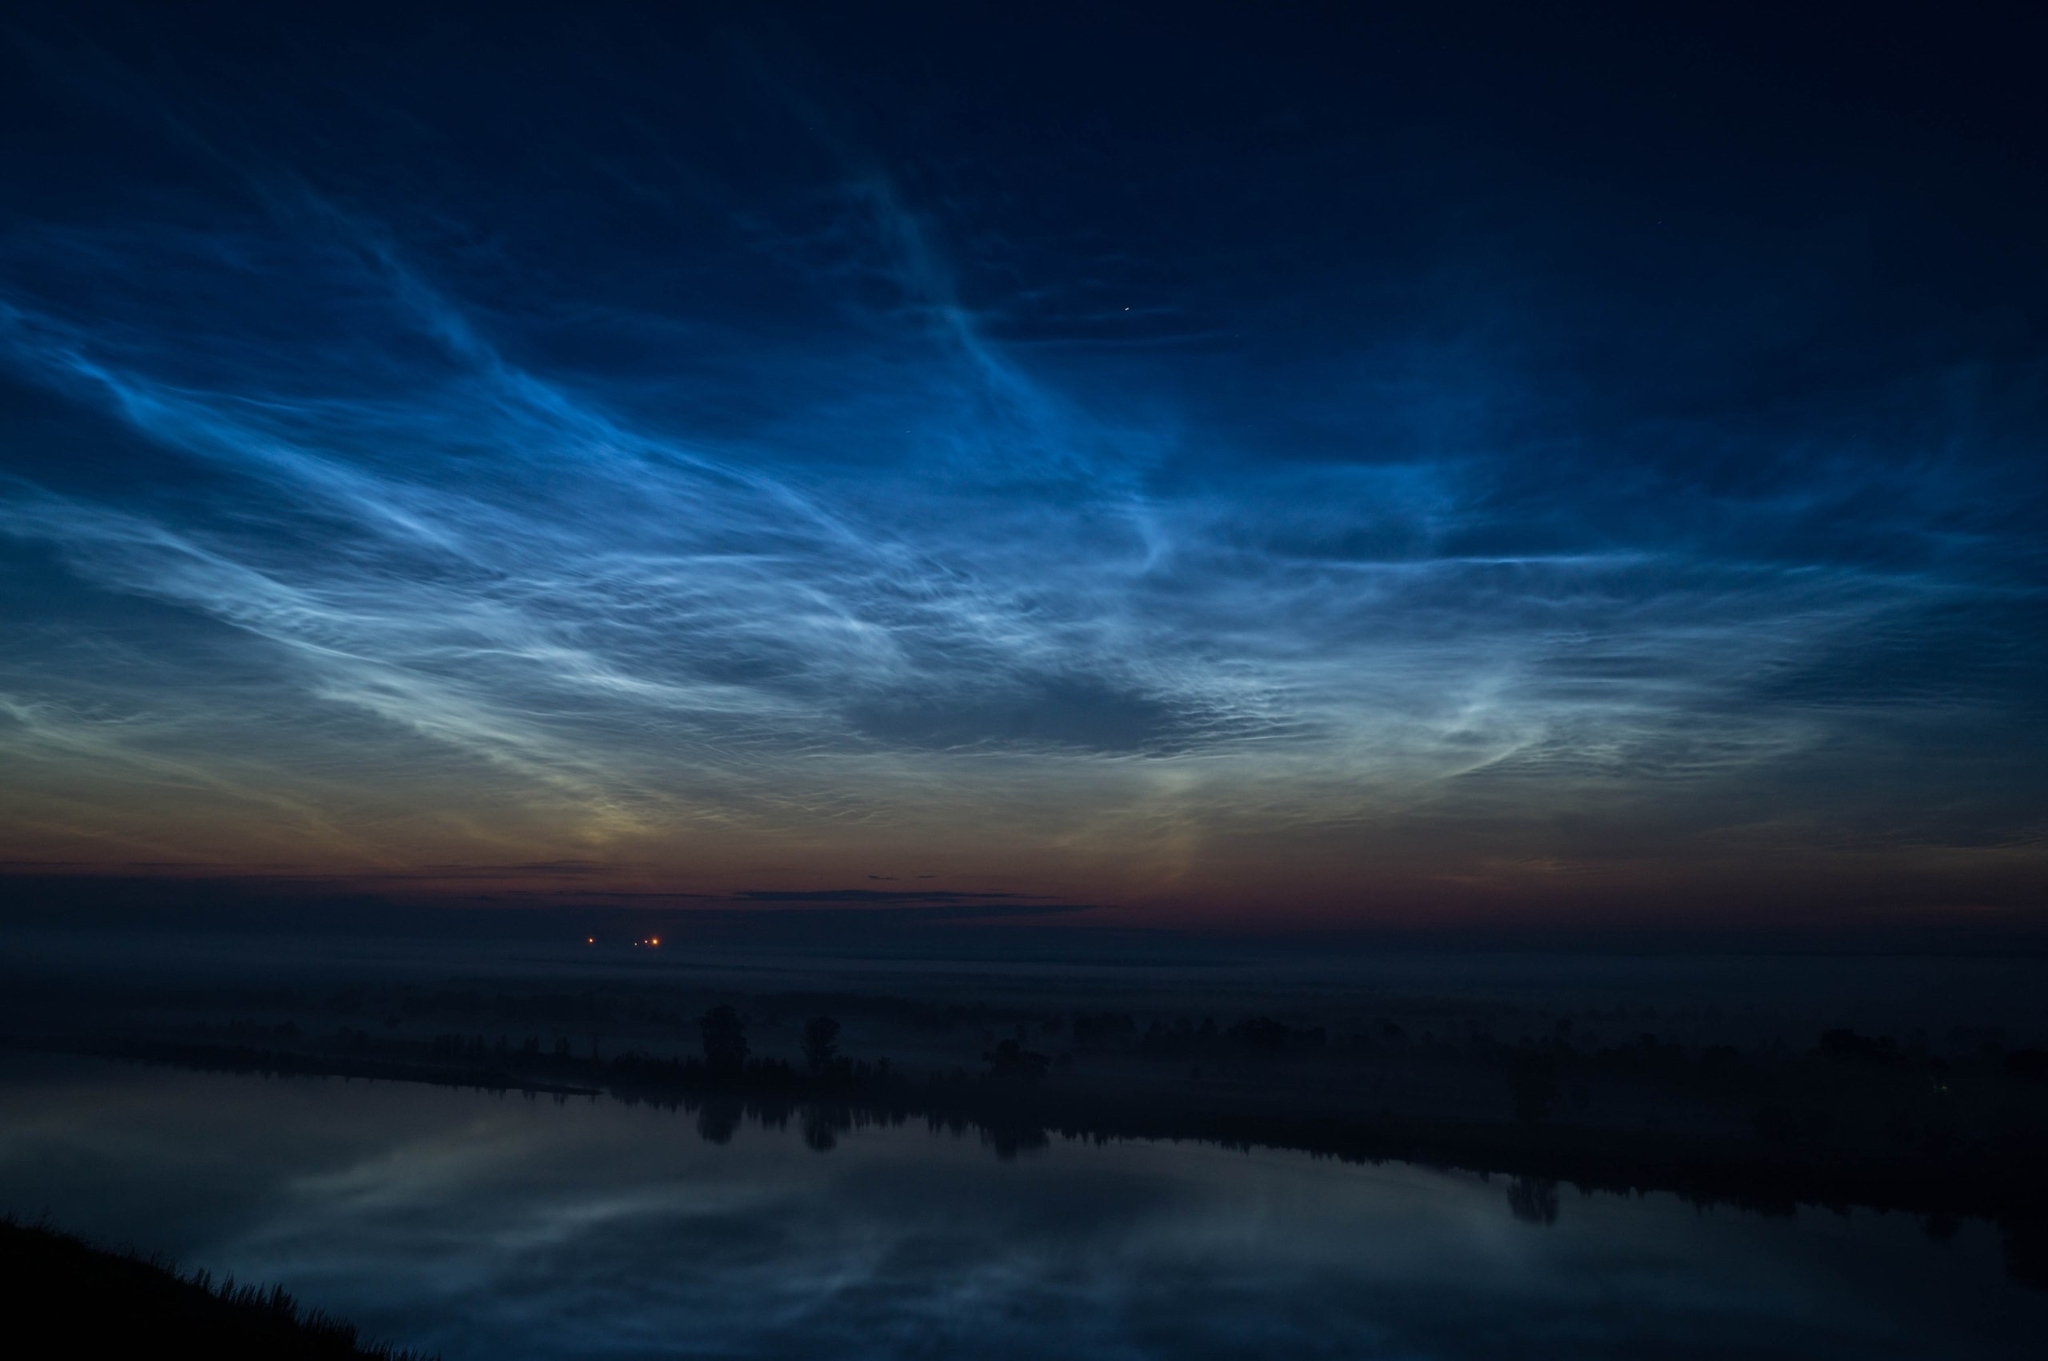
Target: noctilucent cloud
(1343, 472)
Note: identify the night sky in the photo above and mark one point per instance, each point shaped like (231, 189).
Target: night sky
(1231, 467)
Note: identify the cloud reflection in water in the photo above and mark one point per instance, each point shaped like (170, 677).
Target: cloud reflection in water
(488, 1226)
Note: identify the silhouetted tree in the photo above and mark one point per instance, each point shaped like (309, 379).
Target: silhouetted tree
(725, 1039)
(1532, 1078)
(821, 1042)
(1013, 1062)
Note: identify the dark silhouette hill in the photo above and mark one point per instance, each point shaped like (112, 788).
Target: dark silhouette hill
(85, 1301)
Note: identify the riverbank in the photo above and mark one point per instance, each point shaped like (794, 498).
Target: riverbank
(86, 1301)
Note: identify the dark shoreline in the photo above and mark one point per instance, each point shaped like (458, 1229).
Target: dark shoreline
(107, 1303)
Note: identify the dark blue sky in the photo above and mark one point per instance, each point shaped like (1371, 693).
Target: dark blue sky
(1235, 465)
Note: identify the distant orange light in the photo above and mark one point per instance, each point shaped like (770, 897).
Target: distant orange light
(656, 940)
(590, 940)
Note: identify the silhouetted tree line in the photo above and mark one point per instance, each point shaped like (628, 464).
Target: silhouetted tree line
(1532, 1081)
(1183, 1037)
(1098, 1029)
(2030, 1064)
(1848, 1046)
(605, 1010)
(1009, 1061)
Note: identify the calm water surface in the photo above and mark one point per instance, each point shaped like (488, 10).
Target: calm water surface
(488, 1226)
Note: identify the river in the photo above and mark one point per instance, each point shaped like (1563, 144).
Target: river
(501, 1226)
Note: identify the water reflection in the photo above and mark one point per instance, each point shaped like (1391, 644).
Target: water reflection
(506, 1227)
(1533, 1200)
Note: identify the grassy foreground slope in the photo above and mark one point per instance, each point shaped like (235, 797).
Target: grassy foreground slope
(85, 1301)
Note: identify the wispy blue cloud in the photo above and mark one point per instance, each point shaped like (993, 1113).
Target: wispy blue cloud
(438, 537)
